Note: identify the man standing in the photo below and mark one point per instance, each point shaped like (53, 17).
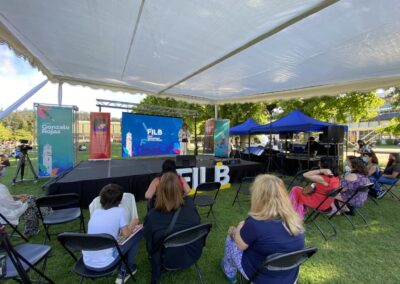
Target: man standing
(312, 146)
(184, 136)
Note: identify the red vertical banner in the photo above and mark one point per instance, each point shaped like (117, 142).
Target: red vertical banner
(100, 147)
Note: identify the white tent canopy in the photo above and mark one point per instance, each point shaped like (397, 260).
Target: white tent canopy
(210, 51)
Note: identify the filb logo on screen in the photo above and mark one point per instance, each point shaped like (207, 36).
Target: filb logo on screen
(154, 134)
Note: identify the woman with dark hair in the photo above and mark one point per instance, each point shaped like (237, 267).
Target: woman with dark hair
(362, 147)
(170, 200)
(374, 172)
(167, 167)
(390, 173)
(372, 164)
(357, 177)
(392, 169)
(324, 180)
(111, 219)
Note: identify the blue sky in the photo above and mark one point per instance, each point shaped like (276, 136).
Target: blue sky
(17, 77)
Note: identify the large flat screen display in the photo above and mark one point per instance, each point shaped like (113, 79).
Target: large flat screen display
(149, 135)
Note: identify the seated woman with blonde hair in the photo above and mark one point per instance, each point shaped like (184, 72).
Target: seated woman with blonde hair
(272, 227)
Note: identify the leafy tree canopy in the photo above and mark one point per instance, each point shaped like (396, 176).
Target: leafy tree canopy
(5, 133)
(336, 108)
(237, 113)
(357, 106)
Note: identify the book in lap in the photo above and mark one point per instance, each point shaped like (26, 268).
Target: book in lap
(122, 240)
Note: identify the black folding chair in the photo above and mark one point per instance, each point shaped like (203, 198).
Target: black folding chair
(60, 216)
(316, 212)
(244, 189)
(22, 258)
(196, 234)
(3, 220)
(360, 189)
(388, 188)
(283, 262)
(73, 242)
(204, 200)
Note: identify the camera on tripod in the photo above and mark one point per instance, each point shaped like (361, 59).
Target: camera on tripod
(24, 159)
(24, 147)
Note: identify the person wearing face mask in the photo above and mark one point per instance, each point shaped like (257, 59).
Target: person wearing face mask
(372, 164)
(362, 147)
(358, 176)
(364, 158)
(14, 207)
(347, 168)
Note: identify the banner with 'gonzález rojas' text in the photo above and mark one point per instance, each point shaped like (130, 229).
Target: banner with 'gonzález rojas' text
(55, 140)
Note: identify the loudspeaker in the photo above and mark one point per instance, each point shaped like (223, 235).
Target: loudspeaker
(185, 161)
(333, 134)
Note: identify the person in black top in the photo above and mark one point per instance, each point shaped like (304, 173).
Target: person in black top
(312, 145)
(392, 170)
(169, 197)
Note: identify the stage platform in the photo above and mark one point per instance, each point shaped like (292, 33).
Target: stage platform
(134, 175)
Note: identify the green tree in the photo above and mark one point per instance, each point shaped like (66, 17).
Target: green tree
(236, 113)
(204, 111)
(20, 123)
(22, 134)
(393, 127)
(5, 133)
(355, 105)
(239, 113)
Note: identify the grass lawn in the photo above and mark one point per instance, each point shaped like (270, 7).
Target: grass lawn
(365, 255)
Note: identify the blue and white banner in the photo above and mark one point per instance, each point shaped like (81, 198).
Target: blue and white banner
(149, 135)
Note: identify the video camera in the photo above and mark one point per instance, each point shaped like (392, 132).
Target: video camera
(24, 147)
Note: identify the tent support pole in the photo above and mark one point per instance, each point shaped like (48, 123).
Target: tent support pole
(249, 147)
(23, 99)
(216, 111)
(60, 93)
(195, 136)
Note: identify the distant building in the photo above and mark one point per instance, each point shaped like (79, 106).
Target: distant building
(367, 130)
(83, 131)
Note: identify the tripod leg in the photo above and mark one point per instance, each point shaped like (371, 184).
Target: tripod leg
(22, 170)
(17, 172)
(35, 176)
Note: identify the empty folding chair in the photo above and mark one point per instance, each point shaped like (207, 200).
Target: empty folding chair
(72, 210)
(14, 228)
(243, 189)
(22, 258)
(206, 195)
(283, 262)
(360, 189)
(194, 239)
(73, 242)
(316, 212)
